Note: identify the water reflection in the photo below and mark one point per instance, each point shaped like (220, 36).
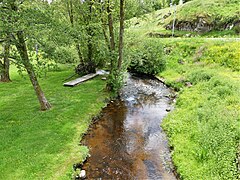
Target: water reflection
(127, 142)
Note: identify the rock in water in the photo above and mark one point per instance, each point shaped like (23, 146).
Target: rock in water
(82, 174)
(168, 109)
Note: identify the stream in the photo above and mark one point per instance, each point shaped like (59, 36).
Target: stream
(127, 142)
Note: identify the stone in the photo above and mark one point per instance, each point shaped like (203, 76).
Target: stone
(82, 174)
(104, 78)
(188, 84)
(180, 61)
(168, 109)
(102, 72)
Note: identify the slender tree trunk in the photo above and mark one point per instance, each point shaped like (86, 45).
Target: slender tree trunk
(105, 34)
(111, 32)
(81, 59)
(104, 27)
(4, 67)
(91, 64)
(71, 18)
(22, 49)
(121, 32)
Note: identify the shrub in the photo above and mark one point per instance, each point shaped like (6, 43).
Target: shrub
(237, 28)
(65, 54)
(147, 58)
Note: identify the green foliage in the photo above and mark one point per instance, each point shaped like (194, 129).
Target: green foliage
(135, 8)
(222, 14)
(115, 81)
(218, 13)
(200, 76)
(44, 145)
(65, 54)
(237, 28)
(203, 129)
(227, 54)
(147, 57)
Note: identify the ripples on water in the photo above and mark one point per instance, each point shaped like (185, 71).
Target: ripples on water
(128, 142)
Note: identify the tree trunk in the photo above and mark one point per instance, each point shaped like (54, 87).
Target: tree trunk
(80, 55)
(22, 49)
(121, 32)
(105, 33)
(111, 32)
(4, 67)
(71, 18)
(91, 64)
(104, 26)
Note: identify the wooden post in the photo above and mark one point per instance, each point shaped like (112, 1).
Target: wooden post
(174, 19)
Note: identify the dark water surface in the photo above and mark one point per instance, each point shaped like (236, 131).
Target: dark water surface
(128, 142)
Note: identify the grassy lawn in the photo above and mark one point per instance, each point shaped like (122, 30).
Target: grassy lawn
(44, 145)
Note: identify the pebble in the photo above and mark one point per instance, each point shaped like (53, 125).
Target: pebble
(82, 174)
(188, 84)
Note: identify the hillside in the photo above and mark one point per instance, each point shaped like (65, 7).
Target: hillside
(195, 18)
(204, 16)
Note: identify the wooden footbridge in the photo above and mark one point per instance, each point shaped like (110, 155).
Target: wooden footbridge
(84, 78)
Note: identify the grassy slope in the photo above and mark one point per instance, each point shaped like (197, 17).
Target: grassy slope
(204, 129)
(44, 145)
(221, 11)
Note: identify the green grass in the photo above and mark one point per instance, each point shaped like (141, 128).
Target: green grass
(222, 10)
(218, 12)
(44, 145)
(215, 12)
(204, 128)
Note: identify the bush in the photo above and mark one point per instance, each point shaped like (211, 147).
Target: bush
(65, 54)
(147, 58)
(237, 28)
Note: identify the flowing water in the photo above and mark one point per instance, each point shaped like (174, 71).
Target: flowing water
(127, 142)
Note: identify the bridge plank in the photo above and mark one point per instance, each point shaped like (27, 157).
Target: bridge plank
(80, 80)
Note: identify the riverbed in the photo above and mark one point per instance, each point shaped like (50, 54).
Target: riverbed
(127, 142)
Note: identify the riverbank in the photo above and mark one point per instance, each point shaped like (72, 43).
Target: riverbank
(203, 129)
(44, 145)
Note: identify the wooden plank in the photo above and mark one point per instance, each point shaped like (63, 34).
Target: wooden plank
(80, 80)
